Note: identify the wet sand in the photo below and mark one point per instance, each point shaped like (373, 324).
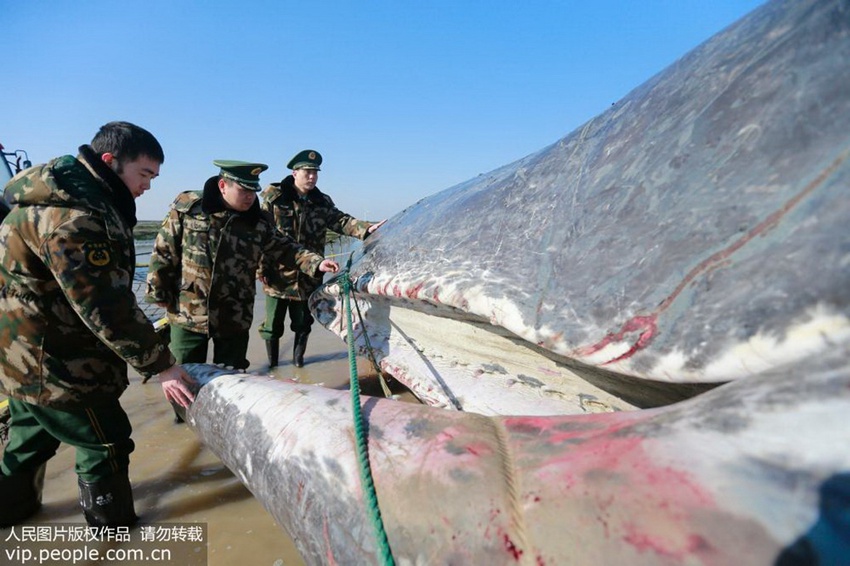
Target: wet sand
(177, 480)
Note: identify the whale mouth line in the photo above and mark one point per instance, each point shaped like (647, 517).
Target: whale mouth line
(636, 334)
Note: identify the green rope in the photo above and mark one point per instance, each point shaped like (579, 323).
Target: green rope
(360, 433)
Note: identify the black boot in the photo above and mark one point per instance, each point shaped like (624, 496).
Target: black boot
(108, 502)
(21, 495)
(299, 348)
(272, 349)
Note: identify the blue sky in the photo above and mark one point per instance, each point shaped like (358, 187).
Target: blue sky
(402, 98)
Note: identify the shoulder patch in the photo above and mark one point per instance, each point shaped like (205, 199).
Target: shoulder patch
(97, 253)
(271, 192)
(186, 200)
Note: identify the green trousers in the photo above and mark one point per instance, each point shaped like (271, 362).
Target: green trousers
(100, 435)
(191, 347)
(300, 319)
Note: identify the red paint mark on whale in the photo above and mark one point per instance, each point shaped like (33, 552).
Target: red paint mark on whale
(511, 547)
(629, 486)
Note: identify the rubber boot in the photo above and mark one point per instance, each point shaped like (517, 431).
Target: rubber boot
(21, 495)
(299, 348)
(273, 349)
(108, 502)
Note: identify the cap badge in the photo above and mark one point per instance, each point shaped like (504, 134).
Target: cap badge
(256, 171)
(312, 155)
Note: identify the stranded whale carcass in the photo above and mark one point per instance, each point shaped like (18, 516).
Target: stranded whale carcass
(695, 232)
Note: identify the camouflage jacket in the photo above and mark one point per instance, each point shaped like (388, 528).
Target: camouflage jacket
(69, 318)
(205, 259)
(306, 221)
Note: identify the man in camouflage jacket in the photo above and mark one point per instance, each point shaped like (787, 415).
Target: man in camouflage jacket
(305, 214)
(70, 324)
(206, 257)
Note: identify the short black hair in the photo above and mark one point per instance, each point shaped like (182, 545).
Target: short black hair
(127, 142)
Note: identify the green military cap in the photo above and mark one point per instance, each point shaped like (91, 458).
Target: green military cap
(307, 159)
(245, 173)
